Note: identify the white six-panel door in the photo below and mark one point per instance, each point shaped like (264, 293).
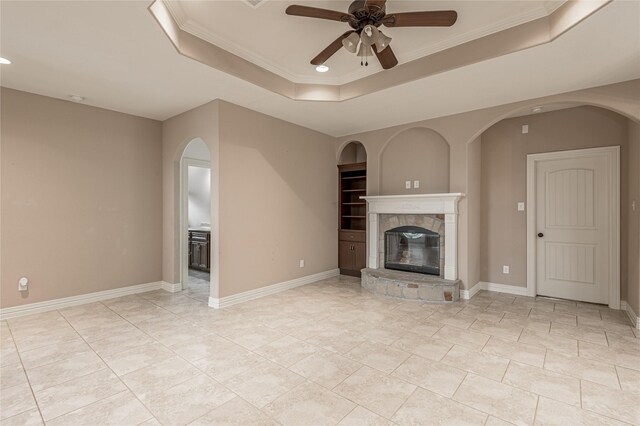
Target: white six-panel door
(573, 226)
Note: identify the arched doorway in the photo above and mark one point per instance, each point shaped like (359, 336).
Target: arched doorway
(195, 220)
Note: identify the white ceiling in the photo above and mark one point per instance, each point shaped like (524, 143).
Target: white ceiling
(116, 56)
(286, 44)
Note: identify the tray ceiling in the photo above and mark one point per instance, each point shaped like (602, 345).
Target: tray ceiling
(284, 45)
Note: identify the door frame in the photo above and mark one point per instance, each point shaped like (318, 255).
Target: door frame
(612, 154)
(184, 214)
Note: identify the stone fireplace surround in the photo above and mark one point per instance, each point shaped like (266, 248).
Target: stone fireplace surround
(436, 212)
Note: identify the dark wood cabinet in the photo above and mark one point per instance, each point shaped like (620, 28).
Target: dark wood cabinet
(200, 250)
(352, 246)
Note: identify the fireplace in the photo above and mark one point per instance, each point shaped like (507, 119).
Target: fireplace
(412, 249)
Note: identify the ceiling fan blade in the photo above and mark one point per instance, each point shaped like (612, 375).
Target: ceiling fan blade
(314, 12)
(437, 18)
(330, 50)
(386, 57)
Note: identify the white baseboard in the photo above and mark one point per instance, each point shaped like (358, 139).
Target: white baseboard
(223, 302)
(171, 288)
(499, 288)
(632, 315)
(51, 305)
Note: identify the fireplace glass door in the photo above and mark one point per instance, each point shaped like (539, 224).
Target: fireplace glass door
(413, 249)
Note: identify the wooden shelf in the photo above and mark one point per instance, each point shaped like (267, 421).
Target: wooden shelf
(356, 217)
(354, 177)
(354, 204)
(354, 190)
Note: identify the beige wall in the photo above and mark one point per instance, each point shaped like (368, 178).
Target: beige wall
(633, 266)
(274, 185)
(278, 200)
(504, 175)
(474, 215)
(461, 129)
(415, 154)
(81, 198)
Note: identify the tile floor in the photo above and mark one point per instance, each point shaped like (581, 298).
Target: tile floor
(199, 285)
(321, 354)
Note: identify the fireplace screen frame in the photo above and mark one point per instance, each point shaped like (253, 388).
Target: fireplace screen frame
(410, 234)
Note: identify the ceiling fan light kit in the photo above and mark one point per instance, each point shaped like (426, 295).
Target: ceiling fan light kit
(364, 17)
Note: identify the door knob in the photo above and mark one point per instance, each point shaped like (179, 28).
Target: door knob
(540, 234)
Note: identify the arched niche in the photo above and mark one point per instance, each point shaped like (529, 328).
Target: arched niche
(416, 154)
(352, 152)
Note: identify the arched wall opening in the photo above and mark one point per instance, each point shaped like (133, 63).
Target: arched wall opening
(352, 152)
(496, 183)
(195, 242)
(417, 155)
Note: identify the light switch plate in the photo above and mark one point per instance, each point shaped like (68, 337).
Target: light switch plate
(525, 128)
(520, 207)
(407, 184)
(416, 184)
(505, 269)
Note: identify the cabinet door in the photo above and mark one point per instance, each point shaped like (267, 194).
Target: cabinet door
(360, 256)
(195, 255)
(202, 255)
(346, 257)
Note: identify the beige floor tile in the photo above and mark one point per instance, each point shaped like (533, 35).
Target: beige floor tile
(227, 361)
(558, 317)
(188, 400)
(103, 331)
(520, 352)
(287, 350)
(263, 383)
(461, 337)
(585, 334)
(626, 343)
(494, 421)
(542, 382)
(385, 333)
(480, 363)
(619, 405)
(9, 354)
(309, 403)
(360, 416)
(426, 347)
(525, 322)
(582, 368)
(203, 347)
(611, 315)
(15, 400)
(57, 352)
(28, 418)
(459, 320)
(502, 330)
(555, 413)
(136, 358)
(55, 335)
(377, 355)
(498, 399)
(424, 407)
(120, 409)
(156, 378)
(624, 329)
(12, 375)
(236, 412)
(375, 391)
(610, 355)
(629, 379)
(61, 371)
(339, 341)
(434, 376)
(501, 306)
(151, 422)
(326, 368)
(255, 337)
(560, 344)
(120, 342)
(77, 393)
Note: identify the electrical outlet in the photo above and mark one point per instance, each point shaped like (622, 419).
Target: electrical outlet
(505, 269)
(521, 207)
(416, 184)
(302, 263)
(23, 284)
(407, 184)
(525, 128)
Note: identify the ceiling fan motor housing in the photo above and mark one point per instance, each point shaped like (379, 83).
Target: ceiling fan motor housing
(364, 14)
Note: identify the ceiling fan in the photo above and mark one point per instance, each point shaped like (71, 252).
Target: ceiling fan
(365, 16)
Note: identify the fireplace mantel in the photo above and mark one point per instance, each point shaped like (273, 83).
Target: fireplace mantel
(446, 204)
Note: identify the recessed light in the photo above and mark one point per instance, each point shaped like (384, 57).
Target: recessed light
(76, 98)
(4, 61)
(537, 109)
(322, 68)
